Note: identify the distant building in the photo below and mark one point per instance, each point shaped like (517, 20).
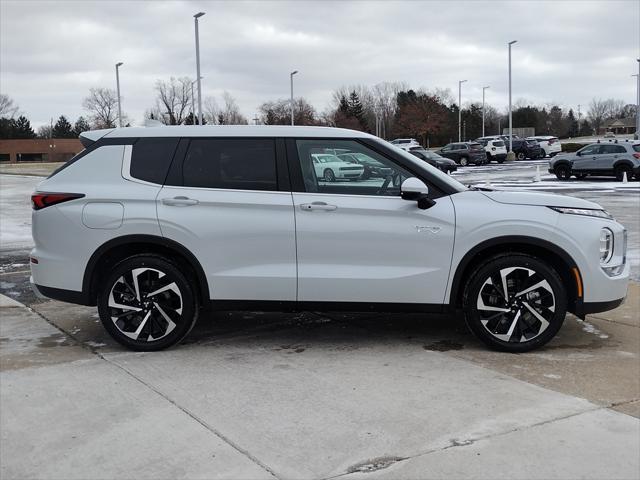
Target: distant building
(522, 132)
(619, 126)
(39, 149)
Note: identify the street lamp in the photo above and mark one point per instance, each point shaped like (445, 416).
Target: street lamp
(483, 89)
(637, 135)
(193, 107)
(291, 78)
(198, 77)
(460, 109)
(118, 65)
(510, 156)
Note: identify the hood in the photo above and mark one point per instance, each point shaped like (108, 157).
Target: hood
(542, 199)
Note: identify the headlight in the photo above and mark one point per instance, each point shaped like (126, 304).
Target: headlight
(606, 245)
(588, 212)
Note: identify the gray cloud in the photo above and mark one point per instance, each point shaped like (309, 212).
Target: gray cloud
(52, 52)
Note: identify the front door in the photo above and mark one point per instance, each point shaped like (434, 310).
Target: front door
(358, 241)
(223, 204)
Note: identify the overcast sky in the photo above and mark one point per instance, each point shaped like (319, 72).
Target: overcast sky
(52, 52)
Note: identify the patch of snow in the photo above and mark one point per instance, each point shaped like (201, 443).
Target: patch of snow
(589, 328)
(95, 344)
(551, 375)
(15, 208)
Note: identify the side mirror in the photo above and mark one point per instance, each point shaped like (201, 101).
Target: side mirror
(414, 189)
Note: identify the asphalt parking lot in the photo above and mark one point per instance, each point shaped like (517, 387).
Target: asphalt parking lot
(317, 394)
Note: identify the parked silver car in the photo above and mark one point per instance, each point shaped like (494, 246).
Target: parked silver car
(600, 159)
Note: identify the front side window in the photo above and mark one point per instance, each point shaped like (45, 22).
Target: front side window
(242, 164)
(324, 172)
(590, 150)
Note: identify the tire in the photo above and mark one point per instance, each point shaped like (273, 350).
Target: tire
(169, 315)
(501, 160)
(563, 172)
(621, 170)
(328, 175)
(517, 323)
(489, 158)
(464, 161)
(520, 156)
(543, 154)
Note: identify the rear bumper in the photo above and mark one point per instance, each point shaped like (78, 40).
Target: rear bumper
(68, 296)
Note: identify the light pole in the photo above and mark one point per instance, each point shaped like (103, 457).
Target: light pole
(193, 107)
(460, 109)
(198, 77)
(637, 135)
(483, 89)
(118, 65)
(291, 78)
(510, 155)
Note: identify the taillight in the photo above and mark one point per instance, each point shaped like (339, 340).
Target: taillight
(637, 155)
(552, 141)
(40, 200)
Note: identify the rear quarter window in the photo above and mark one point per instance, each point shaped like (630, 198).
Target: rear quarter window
(151, 158)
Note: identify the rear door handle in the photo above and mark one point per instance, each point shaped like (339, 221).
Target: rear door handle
(180, 201)
(318, 206)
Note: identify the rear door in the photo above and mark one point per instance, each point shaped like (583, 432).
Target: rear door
(358, 241)
(227, 201)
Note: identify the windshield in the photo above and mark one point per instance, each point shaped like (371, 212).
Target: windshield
(433, 171)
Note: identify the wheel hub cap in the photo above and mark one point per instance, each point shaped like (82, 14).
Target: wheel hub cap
(516, 304)
(145, 304)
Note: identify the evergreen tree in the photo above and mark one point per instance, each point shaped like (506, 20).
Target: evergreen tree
(190, 119)
(572, 130)
(62, 128)
(6, 127)
(80, 126)
(22, 128)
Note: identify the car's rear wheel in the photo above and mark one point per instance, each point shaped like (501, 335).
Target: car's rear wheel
(563, 172)
(620, 172)
(464, 161)
(329, 176)
(146, 303)
(515, 302)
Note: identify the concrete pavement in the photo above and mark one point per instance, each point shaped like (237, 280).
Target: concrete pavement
(315, 396)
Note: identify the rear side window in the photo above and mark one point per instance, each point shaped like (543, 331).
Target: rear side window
(151, 158)
(242, 164)
(612, 149)
(637, 147)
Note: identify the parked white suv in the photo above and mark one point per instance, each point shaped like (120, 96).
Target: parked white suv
(153, 225)
(405, 143)
(549, 145)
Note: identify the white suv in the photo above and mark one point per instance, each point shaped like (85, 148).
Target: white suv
(549, 145)
(154, 225)
(405, 143)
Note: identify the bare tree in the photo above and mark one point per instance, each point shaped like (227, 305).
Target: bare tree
(230, 113)
(174, 99)
(102, 104)
(45, 131)
(597, 113)
(210, 111)
(279, 112)
(7, 108)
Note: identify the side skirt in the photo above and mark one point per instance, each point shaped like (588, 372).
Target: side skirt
(288, 306)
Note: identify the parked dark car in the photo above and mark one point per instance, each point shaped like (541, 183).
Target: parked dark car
(445, 164)
(464, 153)
(524, 149)
(372, 167)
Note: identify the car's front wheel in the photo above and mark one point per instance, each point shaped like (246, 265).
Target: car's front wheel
(515, 302)
(146, 303)
(521, 156)
(329, 176)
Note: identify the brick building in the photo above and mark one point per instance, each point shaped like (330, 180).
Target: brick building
(39, 149)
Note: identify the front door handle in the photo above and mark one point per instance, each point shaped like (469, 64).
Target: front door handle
(180, 201)
(318, 206)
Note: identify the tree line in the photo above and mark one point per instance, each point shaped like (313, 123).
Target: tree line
(389, 109)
